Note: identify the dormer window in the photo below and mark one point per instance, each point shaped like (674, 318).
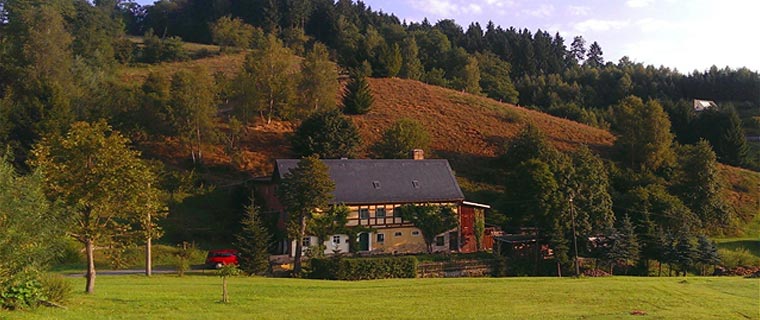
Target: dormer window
(376, 184)
(416, 184)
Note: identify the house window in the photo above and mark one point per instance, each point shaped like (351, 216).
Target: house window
(336, 239)
(306, 242)
(364, 213)
(380, 237)
(439, 241)
(397, 234)
(415, 233)
(380, 213)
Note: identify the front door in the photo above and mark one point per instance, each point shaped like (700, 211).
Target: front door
(364, 241)
(454, 241)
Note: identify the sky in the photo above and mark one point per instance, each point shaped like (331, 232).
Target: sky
(683, 34)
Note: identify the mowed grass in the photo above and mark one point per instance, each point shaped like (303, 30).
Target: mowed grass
(196, 297)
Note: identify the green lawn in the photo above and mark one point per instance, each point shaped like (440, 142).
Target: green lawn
(195, 297)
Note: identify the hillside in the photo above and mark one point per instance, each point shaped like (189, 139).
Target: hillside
(468, 130)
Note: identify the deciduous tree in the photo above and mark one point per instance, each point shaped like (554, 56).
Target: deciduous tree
(230, 32)
(319, 82)
(644, 134)
(327, 134)
(193, 109)
(401, 138)
(100, 180)
(432, 220)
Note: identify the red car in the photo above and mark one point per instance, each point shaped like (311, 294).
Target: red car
(218, 258)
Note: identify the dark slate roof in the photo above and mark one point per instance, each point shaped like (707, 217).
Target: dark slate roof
(365, 181)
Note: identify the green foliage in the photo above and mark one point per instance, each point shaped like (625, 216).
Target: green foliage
(723, 129)
(363, 268)
(328, 222)
(226, 271)
(436, 77)
(412, 66)
(625, 247)
(230, 32)
(55, 288)
(472, 76)
(531, 195)
(686, 253)
(267, 83)
(327, 134)
(740, 257)
(699, 185)
(306, 188)
(157, 50)
(479, 228)
(103, 184)
(319, 81)
(358, 98)
(403, 136)
(432, 220)
(707, 252)
(21, 294)
(253, 242)
(495, 79)
(645, 138)
(391, 60)
(590, 185)
(192, 109)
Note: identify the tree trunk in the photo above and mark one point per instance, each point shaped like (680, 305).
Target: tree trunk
(299, 246)
(659, 266)
(271, 110)
(225, 297)
(198, 136)
(559, 270)
(148, 257)
(89, 248)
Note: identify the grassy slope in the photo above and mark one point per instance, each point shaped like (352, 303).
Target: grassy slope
(468, 130)
(195, 297)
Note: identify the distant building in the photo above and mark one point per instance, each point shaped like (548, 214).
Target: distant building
(702, 105)
(372, 189)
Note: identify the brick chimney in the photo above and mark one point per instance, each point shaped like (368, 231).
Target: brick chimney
(418, 154)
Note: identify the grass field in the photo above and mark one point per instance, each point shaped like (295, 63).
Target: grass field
(196, 297)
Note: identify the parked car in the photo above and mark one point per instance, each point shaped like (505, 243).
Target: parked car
(218, 258)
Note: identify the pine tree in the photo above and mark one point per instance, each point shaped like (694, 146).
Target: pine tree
(594, 58)
(358, 99)
(253, 242)
(707, 253)
(625, 246)
(391, 60)
(686, 254)
(304, 190)
(412, 66)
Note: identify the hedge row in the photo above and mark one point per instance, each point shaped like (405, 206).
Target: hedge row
(363, 268)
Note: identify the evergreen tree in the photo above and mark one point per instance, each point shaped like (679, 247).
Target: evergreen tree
(625, 248)
(594, 58)
(707, 253)
(358, 98)
(253, 242)
(723, 129)
(327, 134)
(686, 254)
(401, 138)
(304, 190)
(319, 81)
(412, 67)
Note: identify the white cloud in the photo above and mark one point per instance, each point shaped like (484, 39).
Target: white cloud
(639, 3)
(597, 25)
(543, 11)
(578, 10)
(450, 8)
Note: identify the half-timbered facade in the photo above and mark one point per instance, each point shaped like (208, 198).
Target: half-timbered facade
(373, 189)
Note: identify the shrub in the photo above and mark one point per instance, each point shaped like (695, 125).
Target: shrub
(55, 288)
(22, 294)
(738, 258)
(363, 268)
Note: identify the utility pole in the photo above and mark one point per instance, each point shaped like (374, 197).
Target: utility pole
(575, 239)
